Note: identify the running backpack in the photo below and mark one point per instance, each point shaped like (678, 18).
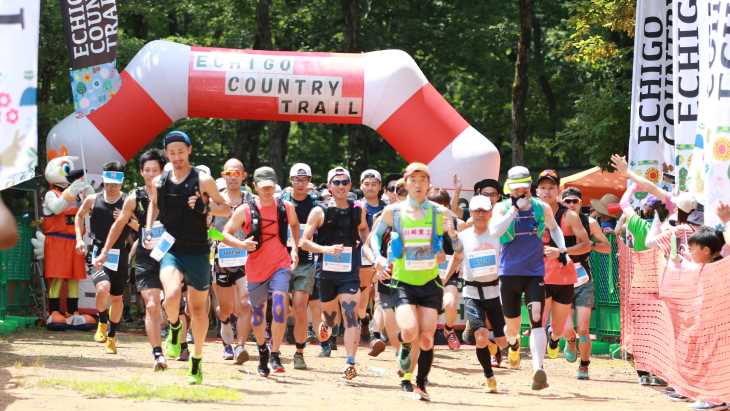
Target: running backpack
(538, 212)
(326, 233)
(397, 240)
(255, 216)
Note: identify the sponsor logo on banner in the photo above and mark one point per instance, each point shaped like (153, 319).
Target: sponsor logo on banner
(283, 84)
(686, 73)
(91, 31)
(714, 117)
(652, 110)
(18, 89)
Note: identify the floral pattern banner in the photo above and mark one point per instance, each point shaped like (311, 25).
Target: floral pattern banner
(93, 86)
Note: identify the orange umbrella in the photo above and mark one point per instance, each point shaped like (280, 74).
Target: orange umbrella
(595, 182)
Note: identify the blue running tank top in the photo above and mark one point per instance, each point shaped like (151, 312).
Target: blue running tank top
(524, 255)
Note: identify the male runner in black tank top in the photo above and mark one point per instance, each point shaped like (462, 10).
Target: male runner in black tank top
(146, 269)
(184, 198)
(110, 280)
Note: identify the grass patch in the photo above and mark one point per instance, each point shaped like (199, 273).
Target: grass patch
(140, 390)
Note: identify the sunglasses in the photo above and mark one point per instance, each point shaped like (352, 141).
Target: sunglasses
(391, 189)
(232, 173)
(490, 193)
(571, 201)
(340, 182)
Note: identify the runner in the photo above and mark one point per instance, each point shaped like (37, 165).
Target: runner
(110, 279)
(228, 271)
(370, 184)
(181, 199)
(417, 252)
(146, 270)
(269, 265)
(450, 280)
(583, 298)
(481, 284)
(341, 227)
(302, 284)
(560, 278)
(520, 222)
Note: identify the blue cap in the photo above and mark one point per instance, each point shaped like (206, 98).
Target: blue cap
(175, 136)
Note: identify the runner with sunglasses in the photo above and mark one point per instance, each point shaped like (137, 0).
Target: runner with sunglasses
(560, 276)
(520, 223)
(583, 297)
(229, 276)
(342, 228)
(302, 284)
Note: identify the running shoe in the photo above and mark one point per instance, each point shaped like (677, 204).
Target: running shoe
(452, 340)
(656, 381)
(195, 378)
(377, 346)
(184, 355)
(644, 380)
(491, 385)
(160, 363)
(539, 380)
(172, 349)
(553, 352)
(674, 396)
(514, 358)
(326, 351)
(110, 345)
(101, 330)
(240, 355)
(324, 332)
(227, 352)
(276, 364)
(311, 338)
(706, 405)
(406, 386)
(404, 357)
(350, 372)
(570, 354)
(582, 373)
(263, 370)
(298, 360)
(421, 392)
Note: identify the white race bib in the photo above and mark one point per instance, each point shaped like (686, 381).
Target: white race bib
(156, 232)
(482, 262)
(341, 263)
(163, 246)
(112, 259)
(582, 275)
(420, 258)
(445, 265)
(231, 256)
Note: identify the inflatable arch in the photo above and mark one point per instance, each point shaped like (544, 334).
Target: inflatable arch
(384, 90)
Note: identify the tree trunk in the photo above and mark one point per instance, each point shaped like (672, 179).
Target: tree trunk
(278, 138)
(248, 138)
(358, 141)
(520, 84)
(542, 77)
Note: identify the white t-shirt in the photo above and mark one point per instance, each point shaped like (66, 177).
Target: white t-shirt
(480, 263)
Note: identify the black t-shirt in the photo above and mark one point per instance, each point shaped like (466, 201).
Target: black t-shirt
(187, 226)
(102, 218)
(302, 208)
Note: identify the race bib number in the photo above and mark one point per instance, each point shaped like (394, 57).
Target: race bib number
(444, 266)
(340, 263)
(229, 257)
(112, 259)
(420, 258)
(156, 232)
(163, 246)
(417, 234)
(482, 262)
(582, 275)
(290, 239)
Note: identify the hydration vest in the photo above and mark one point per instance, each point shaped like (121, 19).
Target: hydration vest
(331, 233)
(255, 218)
(537, 211)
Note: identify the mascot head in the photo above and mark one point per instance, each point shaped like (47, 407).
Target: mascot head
(60, 170)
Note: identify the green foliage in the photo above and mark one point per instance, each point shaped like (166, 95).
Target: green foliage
(465, 48)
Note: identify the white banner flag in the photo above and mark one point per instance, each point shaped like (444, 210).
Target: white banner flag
(18, 82)
(713, 130)
(651, 146)
(686, 75)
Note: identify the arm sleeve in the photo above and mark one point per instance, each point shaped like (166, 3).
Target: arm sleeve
(376, 240)
(557, 235)
(499, 224)
(655, 233)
